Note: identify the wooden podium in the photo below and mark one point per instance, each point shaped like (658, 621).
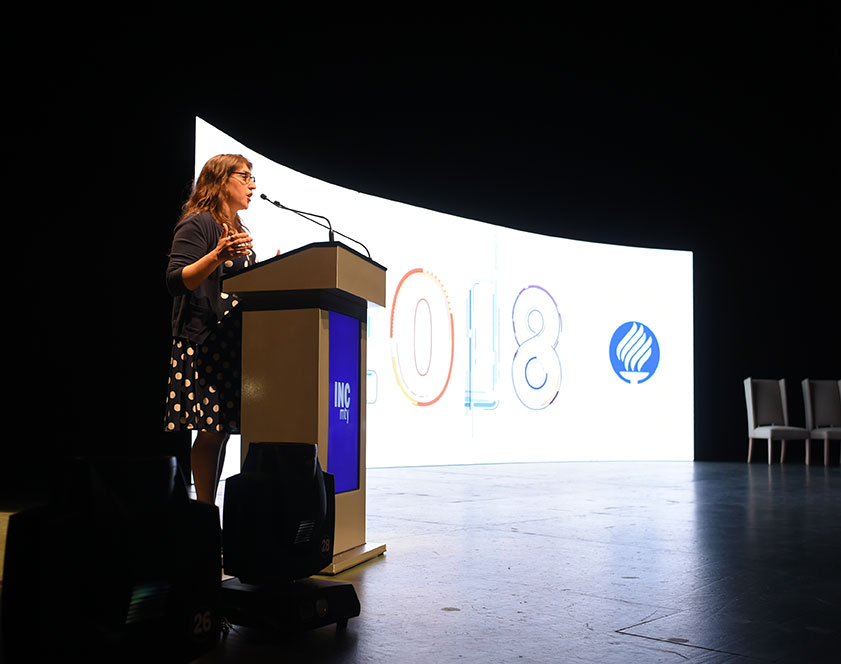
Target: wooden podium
(304, 331)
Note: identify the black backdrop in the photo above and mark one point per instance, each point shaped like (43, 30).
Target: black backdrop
(716, 132)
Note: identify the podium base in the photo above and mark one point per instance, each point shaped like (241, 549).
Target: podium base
(288, 608)
(353, 557)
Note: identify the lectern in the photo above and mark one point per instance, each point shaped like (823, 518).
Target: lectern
(304, 330)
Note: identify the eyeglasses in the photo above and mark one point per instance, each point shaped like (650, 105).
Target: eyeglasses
(245, 176)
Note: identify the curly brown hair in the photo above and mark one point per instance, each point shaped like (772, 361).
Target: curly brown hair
(208, 194)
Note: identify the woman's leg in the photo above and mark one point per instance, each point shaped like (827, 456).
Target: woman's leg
(204, 458)
(221, 463)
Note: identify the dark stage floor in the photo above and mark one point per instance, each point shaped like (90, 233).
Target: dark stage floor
(588, 562)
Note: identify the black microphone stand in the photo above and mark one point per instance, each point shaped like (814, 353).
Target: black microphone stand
(308, 216)
(305, 215)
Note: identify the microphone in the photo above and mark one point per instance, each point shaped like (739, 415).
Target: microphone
(307, 215)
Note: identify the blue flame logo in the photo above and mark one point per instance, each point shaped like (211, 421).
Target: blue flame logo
(634, 352)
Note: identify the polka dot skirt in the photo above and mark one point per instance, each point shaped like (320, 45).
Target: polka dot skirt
(203, 392)
(204, 383)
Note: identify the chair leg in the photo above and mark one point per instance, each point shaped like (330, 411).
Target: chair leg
(750, 448)
(769, 452)
(808, 449)
(783, 452)
(826, 452)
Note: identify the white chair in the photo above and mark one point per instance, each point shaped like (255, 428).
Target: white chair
(768, 416)
(822, 403)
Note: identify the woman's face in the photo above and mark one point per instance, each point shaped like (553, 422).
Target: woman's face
(239, 188)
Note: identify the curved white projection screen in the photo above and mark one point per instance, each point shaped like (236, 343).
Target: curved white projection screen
(498, 345)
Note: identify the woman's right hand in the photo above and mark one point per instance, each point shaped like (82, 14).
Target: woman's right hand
(232, 245)
(229, 246)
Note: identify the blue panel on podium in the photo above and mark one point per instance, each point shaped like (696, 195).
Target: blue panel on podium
(343, 425)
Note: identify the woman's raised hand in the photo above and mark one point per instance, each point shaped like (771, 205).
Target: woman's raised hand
(231, 245)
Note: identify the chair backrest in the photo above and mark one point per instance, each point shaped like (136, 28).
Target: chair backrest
(822, 403)
(766, 402)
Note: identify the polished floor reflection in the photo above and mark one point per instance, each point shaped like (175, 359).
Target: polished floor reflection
(588, 562)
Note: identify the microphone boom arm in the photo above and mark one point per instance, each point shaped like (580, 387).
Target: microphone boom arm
(305, 215)
(308, 216)
(356, 241)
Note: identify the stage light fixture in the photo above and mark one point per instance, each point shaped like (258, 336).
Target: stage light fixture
(118, 565)
(278, 529)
